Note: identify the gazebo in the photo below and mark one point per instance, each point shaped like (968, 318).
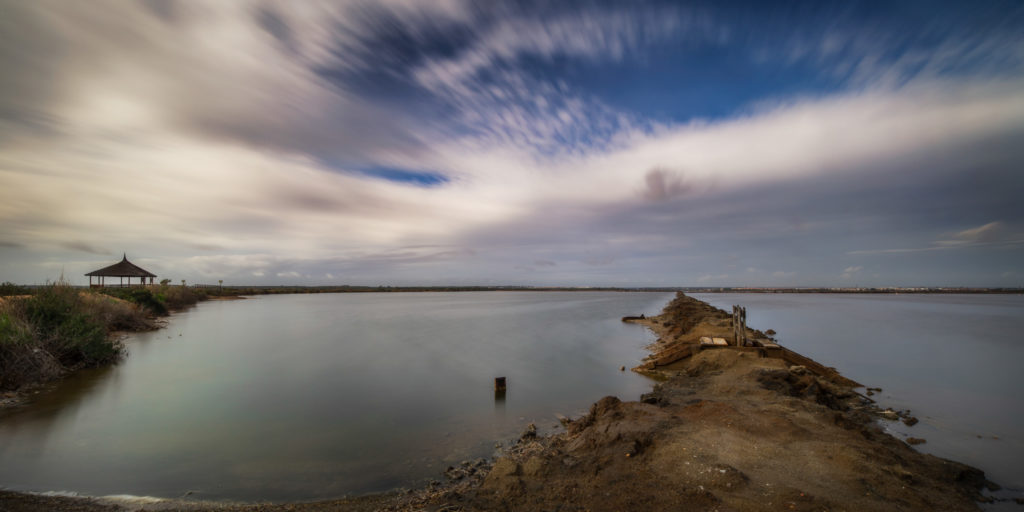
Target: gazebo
(121, 269)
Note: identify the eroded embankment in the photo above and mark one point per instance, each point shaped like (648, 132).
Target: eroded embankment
(726, 429)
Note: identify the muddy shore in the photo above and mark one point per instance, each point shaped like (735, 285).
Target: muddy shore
(725, 429)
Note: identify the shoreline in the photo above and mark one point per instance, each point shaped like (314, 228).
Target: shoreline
(724, 428)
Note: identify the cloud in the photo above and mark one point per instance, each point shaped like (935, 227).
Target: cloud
(663, 184)
(989, 233)
(290, 137)
(709, 278)
(227, 76)
(992, 234)
(849, 272)
(592, 34)
(77, 245)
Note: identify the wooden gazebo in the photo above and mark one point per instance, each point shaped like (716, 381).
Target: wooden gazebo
(121, 269)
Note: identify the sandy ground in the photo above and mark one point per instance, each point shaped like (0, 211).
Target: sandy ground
(726, 429)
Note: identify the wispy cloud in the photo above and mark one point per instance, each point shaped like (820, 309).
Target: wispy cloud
(433, 140)
(988, 233)
(849, 272)
(993, 234)
(77, 245)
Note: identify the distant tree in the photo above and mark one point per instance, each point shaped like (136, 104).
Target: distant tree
(165, 282)
(182, 283)
(9, 288)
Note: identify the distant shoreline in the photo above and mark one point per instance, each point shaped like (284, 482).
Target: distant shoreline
(216, 291)
(270, 290)
(239, 291)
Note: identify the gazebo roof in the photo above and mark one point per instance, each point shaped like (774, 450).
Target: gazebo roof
(123, 268)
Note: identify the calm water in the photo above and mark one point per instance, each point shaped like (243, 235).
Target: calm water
(954, 360)
(313, 396)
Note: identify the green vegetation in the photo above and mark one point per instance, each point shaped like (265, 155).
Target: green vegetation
(8, 289)
(178, 297)
(158, 299)
(60, 328)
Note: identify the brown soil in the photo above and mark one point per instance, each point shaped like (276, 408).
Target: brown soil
(727, 429)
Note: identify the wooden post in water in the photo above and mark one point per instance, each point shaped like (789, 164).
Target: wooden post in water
(739, 325)
(499, 389)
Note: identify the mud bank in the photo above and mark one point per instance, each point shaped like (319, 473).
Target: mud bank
(725, 429)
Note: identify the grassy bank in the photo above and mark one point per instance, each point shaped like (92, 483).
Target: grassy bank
(54, 329)
(158, 299)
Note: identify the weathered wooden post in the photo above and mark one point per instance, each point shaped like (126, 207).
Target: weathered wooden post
(499, 389)
(739, 325)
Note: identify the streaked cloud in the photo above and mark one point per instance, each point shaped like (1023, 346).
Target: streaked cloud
(413, 142)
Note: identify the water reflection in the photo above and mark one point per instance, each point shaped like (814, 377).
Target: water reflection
(51, 405)
(315, 396)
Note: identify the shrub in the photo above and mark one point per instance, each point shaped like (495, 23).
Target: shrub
(144, 297)
(21, 360)
(64, 325)
(60, 328)
(8, 289)
(118, 314)
(178, 297)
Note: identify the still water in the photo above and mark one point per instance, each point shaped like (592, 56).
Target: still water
(315, 396)
(954, 360)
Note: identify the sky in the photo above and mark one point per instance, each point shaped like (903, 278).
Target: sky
(442, 142)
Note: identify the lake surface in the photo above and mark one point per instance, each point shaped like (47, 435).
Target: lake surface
(315, 396)
(954, 360)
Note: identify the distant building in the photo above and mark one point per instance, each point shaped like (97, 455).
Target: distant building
(121, 270)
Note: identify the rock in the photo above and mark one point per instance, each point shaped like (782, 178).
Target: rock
(910, 421)
(530, 432)
(889, 414)
(454, 474)
(915, 440)
(533, 466)
(504, 468)
(770, 332)
(797, 370)
(622, 368)
(871, 393)
(650, 398)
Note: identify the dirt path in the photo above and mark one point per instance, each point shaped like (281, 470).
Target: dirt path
(725, 430)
